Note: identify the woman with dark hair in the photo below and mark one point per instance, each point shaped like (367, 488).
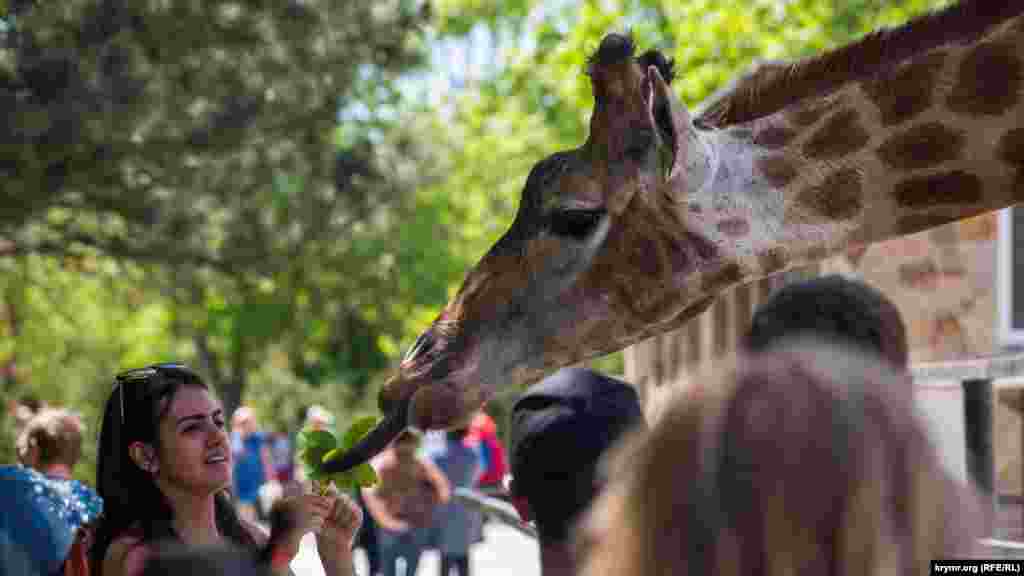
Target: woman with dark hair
(164, 468)
(807, 460)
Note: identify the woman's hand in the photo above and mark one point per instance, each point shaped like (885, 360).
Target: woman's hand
(299, 514)
(334, 540)
(341, 525)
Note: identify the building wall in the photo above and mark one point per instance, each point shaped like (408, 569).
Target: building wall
(944, 283)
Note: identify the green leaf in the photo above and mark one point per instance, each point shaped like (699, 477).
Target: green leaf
(361, 427)
(314, 445)
(363, 475)
(317, 447)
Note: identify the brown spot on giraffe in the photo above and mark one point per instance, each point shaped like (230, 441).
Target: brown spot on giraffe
(1011, 148)
(988, 81)
(774, 137)
(646, 255)
(922, 146)
(906, 91)
(772, 260)
(734, 227)
(779, 171)
(810, 110)
(838, 197)
(841, 135)
(955, 187)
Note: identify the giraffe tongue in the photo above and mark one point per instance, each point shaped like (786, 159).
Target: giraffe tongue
(371, 444)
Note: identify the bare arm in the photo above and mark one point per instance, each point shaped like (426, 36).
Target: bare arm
(438, 479)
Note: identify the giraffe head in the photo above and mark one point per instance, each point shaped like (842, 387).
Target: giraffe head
(593, 261)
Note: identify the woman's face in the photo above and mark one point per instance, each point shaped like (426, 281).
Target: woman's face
(194, 452)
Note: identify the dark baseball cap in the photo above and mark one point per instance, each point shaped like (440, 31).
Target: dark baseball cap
(560, 427)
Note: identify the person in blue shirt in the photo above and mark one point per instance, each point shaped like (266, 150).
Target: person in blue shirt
(253, 464)
(455, 526)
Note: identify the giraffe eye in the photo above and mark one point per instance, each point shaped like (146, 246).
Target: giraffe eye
(575, 223)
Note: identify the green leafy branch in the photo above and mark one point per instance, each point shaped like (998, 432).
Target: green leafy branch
(319, 446)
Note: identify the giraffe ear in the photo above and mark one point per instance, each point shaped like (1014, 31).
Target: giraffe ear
(676, 129)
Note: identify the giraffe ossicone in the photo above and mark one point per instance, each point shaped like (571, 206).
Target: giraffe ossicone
(637, 230)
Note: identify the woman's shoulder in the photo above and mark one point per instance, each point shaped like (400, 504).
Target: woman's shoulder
(126, 555)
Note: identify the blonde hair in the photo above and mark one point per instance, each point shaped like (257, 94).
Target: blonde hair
(803, 460)
(51, 436)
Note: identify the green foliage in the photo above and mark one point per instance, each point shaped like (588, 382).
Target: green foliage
(317, 447)
(201, 144)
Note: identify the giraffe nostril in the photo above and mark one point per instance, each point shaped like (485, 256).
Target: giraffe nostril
(423, 344)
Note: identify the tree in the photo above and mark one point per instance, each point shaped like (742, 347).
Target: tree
(202, 140)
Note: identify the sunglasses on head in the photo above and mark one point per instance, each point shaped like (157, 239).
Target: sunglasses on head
(144, 374)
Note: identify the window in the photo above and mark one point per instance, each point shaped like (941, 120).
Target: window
(1010, 278)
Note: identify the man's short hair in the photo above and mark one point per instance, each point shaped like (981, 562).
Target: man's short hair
(847, 311)
(560, 428)
(53, 436)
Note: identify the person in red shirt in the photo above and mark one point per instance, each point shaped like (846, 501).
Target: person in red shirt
(484, 433)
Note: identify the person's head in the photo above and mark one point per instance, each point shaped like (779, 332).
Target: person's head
(406, 444)
(560, 428)
(834, 307)
(483, 425)
(805, 461)
(22, 409)
(318, 418)
(50, 438)
(163, 437)
(243, 420)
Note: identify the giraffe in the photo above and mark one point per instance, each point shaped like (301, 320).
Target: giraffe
(636, 231)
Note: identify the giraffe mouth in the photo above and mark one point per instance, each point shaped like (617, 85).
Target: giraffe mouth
(373, 443)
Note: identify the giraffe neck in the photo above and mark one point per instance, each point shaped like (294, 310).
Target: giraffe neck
(935, 139)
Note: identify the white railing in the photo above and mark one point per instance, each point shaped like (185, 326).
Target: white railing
(495, 508)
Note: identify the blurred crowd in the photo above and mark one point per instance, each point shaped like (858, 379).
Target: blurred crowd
(803, 457)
